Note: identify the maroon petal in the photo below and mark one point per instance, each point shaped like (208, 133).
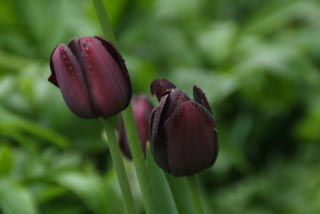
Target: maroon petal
(176, 98)
(157, 134)
(75, 47)
(142, 109)
(192, 140)
(123, 140)
(117, 56)
(167, 106)
(67, 73)
(109, 89)
(52, 78)
(160, 87)
(200, 98)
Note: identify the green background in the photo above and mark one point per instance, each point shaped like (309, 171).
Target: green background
(257, 61)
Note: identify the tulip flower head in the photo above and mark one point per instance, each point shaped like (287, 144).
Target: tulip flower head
(92, 77)
(142, 109)
(183, 133)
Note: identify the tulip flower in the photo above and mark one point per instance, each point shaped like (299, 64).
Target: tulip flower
(142, 109)
(92, 77)
(183, 131)
(159, 87)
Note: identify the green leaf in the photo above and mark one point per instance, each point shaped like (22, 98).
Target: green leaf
(5, 160)
(14, 199)
(15, 125)
(91, 189)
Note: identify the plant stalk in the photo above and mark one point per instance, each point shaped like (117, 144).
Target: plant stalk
(104, 20)
(196, 194)
(138, 160)
(112, 141)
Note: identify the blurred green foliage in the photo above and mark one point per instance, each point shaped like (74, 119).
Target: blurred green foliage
(257, 61)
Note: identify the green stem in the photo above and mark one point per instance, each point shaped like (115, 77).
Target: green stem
(111, 139)
(104, 20)
(129, 122)
(164, 200)
(181, 193)
(138, 160)
(195, 192)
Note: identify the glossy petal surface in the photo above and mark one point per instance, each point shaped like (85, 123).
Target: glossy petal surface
(157, 134)
(142, 109)
(117, 56)
(200, 97)
(108, 87)
(191, 138)
(123, 140)
(92, 77)
(67, 74)
(160, 87)
(175, 98)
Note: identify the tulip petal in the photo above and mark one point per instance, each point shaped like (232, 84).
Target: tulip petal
(176, 98)
(108, 87)
(192, 139)
(142, 109)
(117, 56)
(52, 78)
(123, 140)
(160, 87)
(75, 47)
(200, 97)
(66, 72)
(157, 134)
(167, 106)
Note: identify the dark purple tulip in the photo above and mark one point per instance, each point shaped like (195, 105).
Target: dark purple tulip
(142, 109)
(159, 87)
(183, 131)
(92, 77)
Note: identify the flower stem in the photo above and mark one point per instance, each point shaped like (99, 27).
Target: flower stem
(196, 196)
(138, 160)
(104, 20)
(164, 200)
(129, 122)
(111, 139)
(181, 193)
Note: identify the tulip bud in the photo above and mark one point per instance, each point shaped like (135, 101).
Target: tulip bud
(142, 109)
(159, 87)
(183, 133)
(92, 77)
